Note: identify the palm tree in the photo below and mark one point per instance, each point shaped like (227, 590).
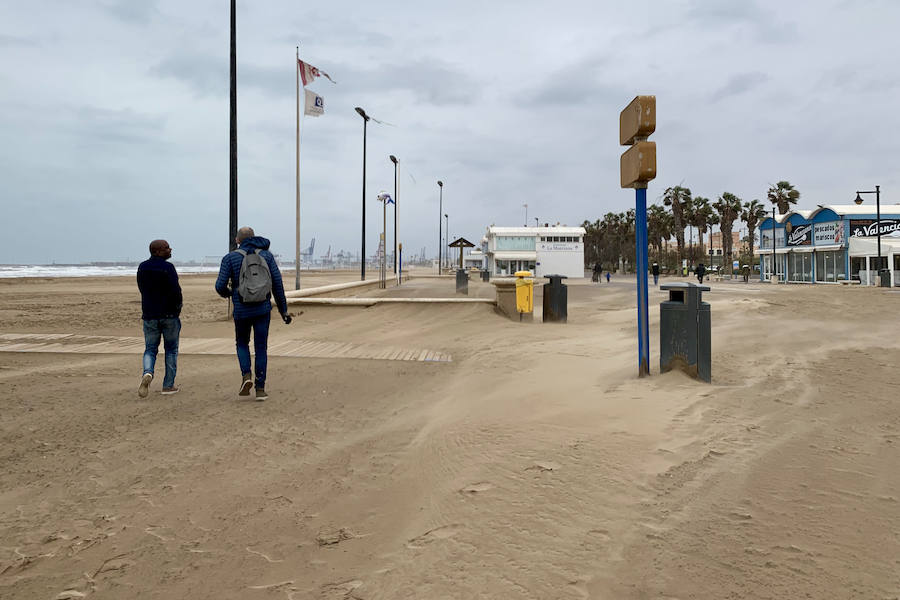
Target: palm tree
(657, 228)
(678, 198)
(702, 213)
(782, 195)
(729, 208)
(753, 213)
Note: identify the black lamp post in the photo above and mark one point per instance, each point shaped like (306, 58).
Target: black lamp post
(447, 233)
(362, 265)
(394, 160)
(858, 201)
(232, 151)
(440, 225)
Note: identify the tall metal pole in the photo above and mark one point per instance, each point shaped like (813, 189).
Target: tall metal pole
(297, 235)
(526, 214)
(878, 228)
(394, 160)
(772, 276)
(640, 227)
(384, 243)
(362, 258)
(440, 246)
(233, 187)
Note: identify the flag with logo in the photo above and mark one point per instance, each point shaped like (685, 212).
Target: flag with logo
(308, 73)
(315, 104)
(385, 197)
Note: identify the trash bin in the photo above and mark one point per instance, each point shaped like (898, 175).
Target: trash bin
(485, 275)
(524, 292)
(885, 278)
(462, 282)
(556, 299)
(684, 330)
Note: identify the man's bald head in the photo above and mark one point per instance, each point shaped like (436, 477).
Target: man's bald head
(160, 248)
(244, 233)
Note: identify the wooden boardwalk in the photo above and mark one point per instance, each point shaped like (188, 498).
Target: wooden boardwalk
(97, 344)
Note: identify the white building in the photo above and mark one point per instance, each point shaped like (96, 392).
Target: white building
(541, 250)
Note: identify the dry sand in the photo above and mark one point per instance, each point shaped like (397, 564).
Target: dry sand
(535, 465)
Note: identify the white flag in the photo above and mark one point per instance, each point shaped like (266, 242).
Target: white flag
(315, 104)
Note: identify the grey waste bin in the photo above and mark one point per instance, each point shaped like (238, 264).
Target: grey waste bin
(885, 278)
(485, 275)
(684, 330)
(462, 282)
(556, 300)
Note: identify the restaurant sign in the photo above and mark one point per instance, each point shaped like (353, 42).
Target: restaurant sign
(866, 227)
(831, 232)
(799, 235)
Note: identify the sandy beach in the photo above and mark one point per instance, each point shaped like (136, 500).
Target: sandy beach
(534, 464)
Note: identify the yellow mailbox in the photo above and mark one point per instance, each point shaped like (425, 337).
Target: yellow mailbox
(524, 292)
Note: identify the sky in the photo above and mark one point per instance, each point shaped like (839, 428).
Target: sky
(114, 115)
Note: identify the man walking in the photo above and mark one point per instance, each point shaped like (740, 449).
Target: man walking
(160, 310)
(251, 277)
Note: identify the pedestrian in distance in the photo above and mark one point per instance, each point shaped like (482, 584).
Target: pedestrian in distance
(700, 271)
(250, 276)
(161, 302)
(598, 270)
(655, 270)
(607, 277)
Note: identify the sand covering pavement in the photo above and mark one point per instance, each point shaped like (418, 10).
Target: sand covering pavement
(534, 465)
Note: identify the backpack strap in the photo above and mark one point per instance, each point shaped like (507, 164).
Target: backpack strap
(241, 252)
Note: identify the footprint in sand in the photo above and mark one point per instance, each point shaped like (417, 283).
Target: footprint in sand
(438, 533)
(481, 486)
(543, 466)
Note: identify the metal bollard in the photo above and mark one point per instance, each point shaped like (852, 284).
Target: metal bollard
(556, 300)
(685, 340)
(485, 275)
(462, 282)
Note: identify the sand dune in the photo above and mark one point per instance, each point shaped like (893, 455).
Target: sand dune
(534, 465)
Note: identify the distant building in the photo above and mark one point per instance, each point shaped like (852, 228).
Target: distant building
(831, 244)
(544, 251)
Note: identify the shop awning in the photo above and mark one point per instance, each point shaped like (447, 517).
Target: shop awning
(828, 248)
(514, 255)
(802, 249)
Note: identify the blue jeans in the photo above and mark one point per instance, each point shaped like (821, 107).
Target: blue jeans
(260, 327)
(169, 330)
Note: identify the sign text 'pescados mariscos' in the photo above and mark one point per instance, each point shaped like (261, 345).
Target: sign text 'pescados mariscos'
(866, 227)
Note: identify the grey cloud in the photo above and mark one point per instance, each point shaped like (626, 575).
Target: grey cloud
(764, 23)
(739, 84)
(139, 12)
(578, 84)
(98, 127)
(204, 74)
(16, 40)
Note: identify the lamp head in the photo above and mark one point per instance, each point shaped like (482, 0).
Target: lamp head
(859, 199)
(393, 159)
(362, 113)
(440, 183)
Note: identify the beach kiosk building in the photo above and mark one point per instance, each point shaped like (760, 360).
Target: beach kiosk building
(831, 244)
(548, 250)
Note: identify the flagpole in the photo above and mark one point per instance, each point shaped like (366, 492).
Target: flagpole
(297, 167)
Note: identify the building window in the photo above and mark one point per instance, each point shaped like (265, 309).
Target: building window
(515, 242)
(830, 266)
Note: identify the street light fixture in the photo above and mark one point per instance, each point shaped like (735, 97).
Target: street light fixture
(362, 262)
(394, 160)
(858, 201)
(440, 247)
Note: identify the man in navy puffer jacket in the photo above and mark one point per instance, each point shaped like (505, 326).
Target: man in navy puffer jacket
(254, 316)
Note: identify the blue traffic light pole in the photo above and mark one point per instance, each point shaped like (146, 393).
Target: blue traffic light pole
(640, 240)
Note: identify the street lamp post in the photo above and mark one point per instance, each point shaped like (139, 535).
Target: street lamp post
(394, 160)
(526, 214)
(858, 201)
(362, 262)
(536, 222)
(440, 247)
(447, 233)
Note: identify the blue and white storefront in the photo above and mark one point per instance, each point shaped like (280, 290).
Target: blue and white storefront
(814, 246)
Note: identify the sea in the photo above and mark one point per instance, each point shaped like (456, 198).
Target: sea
(10, 271)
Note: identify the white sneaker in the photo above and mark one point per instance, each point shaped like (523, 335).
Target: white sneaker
(144, 388)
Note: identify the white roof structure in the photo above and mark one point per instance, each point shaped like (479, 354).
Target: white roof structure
(556, 229)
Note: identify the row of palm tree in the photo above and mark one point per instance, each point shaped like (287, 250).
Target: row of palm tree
(610, 240)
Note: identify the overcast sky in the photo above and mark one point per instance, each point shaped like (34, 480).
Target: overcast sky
(114, 114)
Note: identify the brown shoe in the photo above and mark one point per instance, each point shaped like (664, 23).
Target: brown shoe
(246, 384)
(144, 388)
(261, 394)
(168, 391)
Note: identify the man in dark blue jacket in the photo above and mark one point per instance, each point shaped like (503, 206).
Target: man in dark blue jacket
(255, 316)
(160, 309)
